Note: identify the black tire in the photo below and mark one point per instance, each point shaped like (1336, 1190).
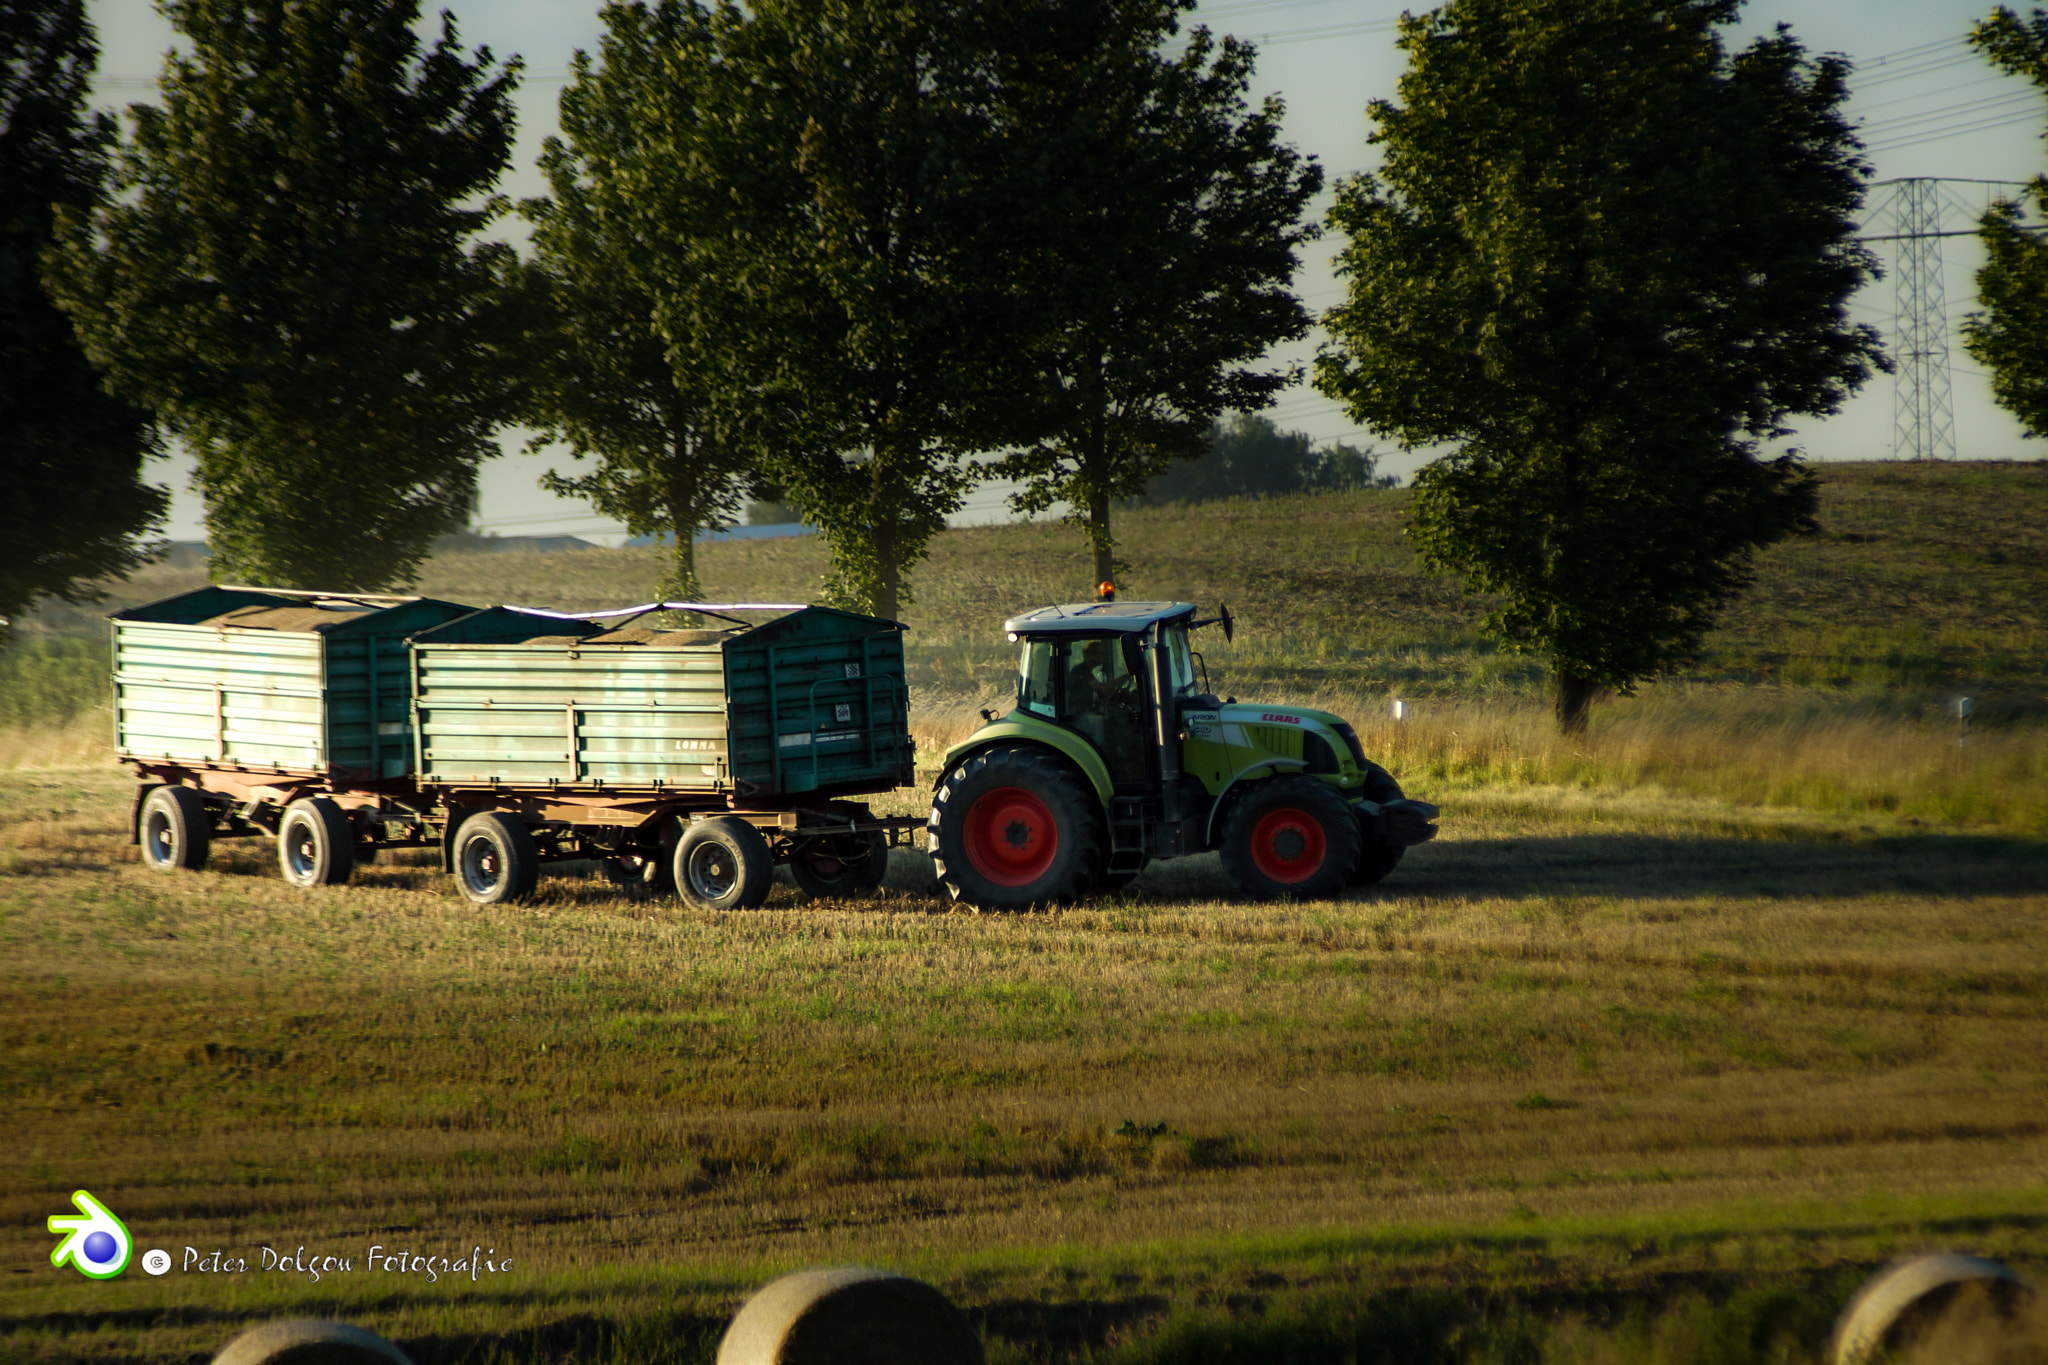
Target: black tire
(841, 866)
(724, 864)
(496, 862)
(315, 844)
(175, 829)
(1290, 836)
(1376, 856)
(642, 871)
(1013, 828)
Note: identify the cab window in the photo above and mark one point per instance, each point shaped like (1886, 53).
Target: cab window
(1180, 662)
(1035, 676)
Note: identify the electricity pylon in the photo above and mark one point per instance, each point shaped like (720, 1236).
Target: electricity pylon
(1923, 409)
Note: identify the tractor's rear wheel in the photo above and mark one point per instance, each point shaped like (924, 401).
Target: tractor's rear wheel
(1013, 828)
(1290, 836)
(1377, 856)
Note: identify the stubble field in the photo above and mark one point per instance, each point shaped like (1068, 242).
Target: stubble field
(1666, 1043)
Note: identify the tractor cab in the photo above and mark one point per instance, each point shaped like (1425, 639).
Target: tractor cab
(1116, 673)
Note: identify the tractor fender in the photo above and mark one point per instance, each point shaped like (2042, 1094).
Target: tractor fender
(1255, 766)
(1021, 729)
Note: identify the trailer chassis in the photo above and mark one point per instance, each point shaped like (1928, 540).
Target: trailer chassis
(715, 849)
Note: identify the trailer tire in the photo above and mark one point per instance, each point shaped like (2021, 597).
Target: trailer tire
(175, 829)
(1376, 856)
(724, 864)
(496, 862)
(840, 866)
(1290, 836)
(1013, 828)
(316, 845)
(641, 871)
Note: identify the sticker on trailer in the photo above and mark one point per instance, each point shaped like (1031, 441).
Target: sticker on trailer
(804, 741)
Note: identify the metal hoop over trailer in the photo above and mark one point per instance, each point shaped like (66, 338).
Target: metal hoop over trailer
(507, 737)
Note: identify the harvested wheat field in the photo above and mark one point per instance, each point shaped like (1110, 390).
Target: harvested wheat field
(1669, 1041)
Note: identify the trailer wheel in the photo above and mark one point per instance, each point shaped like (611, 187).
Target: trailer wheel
(176, 829)
(640, 871)
(495, 859)
(841, 865)
(316, 846)
(1013, 828)
(724, 864)
(1290, 836)
(1376, 857)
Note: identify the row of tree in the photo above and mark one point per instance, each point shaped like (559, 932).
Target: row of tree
(869, 252)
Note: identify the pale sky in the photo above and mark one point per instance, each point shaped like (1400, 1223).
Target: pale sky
(1927, 105)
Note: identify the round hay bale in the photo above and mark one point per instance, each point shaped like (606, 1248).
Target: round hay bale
(309, 1341)
(849, 1316)
(1959, 1309)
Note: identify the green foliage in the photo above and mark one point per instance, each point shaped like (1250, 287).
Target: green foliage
(282, 276)
(48, 682)
(1607, 293)
(1248, 456)
(75, 502)
(606, 378)
(1164, 247)
(2009, 337)
(864, 208)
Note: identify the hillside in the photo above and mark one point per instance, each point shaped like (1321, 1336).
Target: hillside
(1923, 580)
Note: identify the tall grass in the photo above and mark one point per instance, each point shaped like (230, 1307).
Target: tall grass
(1866, 756)
(54, 703)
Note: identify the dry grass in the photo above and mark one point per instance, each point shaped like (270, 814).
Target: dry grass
(1667, 1041)
(1578, 1021)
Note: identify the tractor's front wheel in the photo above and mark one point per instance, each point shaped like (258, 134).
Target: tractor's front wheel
(1290, 836)
(1377, 855)
(1013, 828)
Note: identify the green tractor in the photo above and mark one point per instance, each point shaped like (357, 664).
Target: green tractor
(1116, 754)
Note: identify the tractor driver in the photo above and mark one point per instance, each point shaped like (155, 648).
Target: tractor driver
(1102, 702)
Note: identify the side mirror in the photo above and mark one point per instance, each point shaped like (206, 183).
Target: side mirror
(1223, 615)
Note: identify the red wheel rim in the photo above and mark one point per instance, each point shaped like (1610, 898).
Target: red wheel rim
(1288, 846)
(1011, 837)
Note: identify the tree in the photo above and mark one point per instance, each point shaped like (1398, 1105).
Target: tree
(1248, 456)
(1166, 249)
(608, 378)
(76, 505)
(1604, 260)
(282, 277)
(2009, 337)
(867, 214)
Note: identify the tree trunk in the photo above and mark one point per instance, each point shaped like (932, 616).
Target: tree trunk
(882, 520)
(682, 515)
(1095, 478)
(1099, 537)
(1575, 697)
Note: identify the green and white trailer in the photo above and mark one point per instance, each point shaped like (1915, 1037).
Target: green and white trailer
(344, 724)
